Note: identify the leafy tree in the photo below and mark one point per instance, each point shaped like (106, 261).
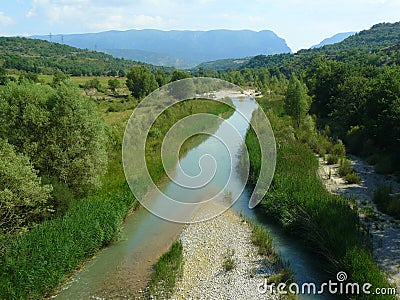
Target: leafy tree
(179, 74)
(59, 129)
(23, 199)
(113, 84)
(141, 81)
(297, 102)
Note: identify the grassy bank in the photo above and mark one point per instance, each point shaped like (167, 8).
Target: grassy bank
(166, 272)
(301, 204)
(34, 263)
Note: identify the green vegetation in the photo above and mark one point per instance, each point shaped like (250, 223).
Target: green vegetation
(43, 57)
(34, 119)
(299, 201)
(24, 200)
(229, 263)
(386, 203)
(262, 239)
(141, 81)
(167, 270)
(297, 102)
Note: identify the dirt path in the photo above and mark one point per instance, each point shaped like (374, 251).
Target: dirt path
(384, 229)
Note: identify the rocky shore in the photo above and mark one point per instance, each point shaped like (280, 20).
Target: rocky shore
(384, 229)
(209, 248)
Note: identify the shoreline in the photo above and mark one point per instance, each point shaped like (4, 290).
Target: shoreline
(205, 249)
(384, 229)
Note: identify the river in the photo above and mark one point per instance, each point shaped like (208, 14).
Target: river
(123, 269)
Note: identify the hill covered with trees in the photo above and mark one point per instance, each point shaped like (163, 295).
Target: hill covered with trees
(43, 57)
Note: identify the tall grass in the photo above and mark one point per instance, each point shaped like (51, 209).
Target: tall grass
(301, 204)
(167, 270)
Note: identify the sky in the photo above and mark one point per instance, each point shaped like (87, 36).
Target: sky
(302, 23)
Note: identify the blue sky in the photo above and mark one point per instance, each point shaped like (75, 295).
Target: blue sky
(301, 23)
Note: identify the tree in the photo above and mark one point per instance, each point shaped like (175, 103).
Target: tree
(23, 199)
(59, 129)
(141, 81)
(113, 84)
(179, 74)
(297, 102)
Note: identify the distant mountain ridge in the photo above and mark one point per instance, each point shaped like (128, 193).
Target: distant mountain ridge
(337, 38)
(177, 48)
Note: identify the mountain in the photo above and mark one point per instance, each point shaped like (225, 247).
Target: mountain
(32, 55)
(177, 48)
(337, 38)
(379, 45)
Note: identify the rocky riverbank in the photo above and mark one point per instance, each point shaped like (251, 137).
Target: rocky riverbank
(210, 249)
(384, 229)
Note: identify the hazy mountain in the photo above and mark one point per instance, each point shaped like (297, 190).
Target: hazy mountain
(177, 48)
(337, 38)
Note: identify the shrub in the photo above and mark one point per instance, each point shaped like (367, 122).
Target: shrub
(332, 159)
(352, 178)
(339, 149)
(23, 198)
(386, 203)
(345, 167)
(229, 263)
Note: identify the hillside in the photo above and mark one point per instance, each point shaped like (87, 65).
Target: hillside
(377, 46)
(186, 48)
(337, 38)
(37, 56)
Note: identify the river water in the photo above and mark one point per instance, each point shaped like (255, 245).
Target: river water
(123, 269)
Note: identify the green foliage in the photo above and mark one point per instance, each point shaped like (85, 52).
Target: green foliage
(332, 159)
(114, 84)
(179, 74)
(352, 178)
(141, 81)
(38, 56)
(229, 263)
(37, 261)
(386, 203)
(23, 199)
(362, 269)
(300, 202)
(167, 270)
(345, 167)
(263, 240)
(297, 102)
(93, 83)
(35, 118)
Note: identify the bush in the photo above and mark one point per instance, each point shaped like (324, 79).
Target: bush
(339, 149)
(386, 203)
(24, 200)
(229, 263)
(352, 178)
(345, 167)
(332, 159)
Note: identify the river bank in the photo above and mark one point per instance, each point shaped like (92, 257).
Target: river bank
(208, 247)
(385, 230)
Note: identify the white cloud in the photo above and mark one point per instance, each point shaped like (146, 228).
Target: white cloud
(5, 20)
